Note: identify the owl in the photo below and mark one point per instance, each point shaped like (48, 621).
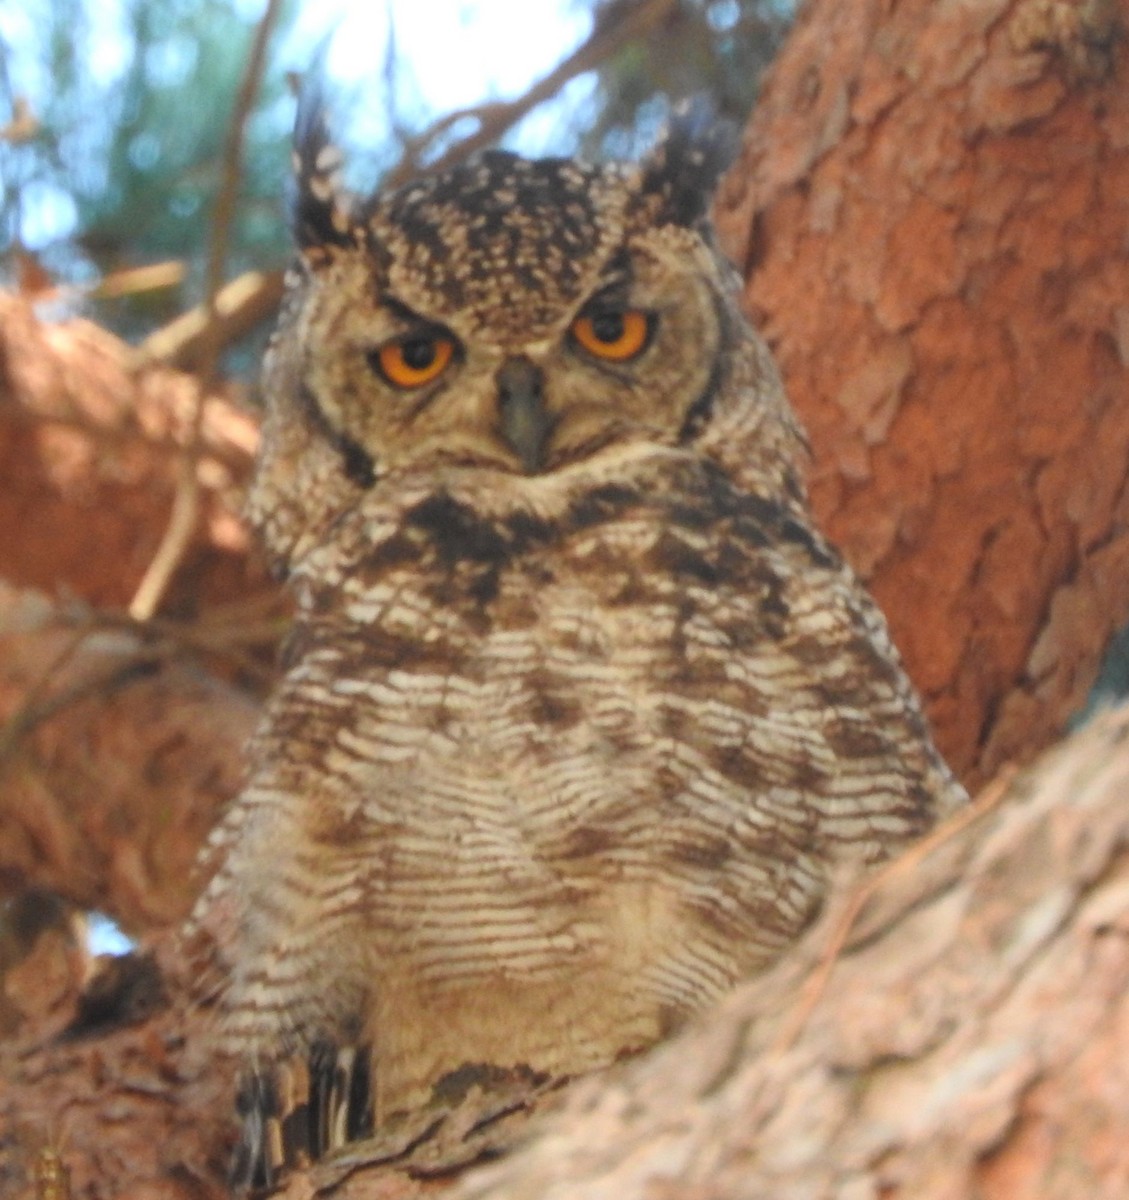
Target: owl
(580, 712)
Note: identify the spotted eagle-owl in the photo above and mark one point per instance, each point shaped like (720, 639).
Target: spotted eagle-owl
(579, 710)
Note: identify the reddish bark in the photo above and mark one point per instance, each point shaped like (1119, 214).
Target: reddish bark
(89, 458)
(105, 802)
(132, 1114)
(115, 751)
(931, 211)
(970, 1038)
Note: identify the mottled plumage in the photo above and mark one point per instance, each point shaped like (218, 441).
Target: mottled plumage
(579, 710)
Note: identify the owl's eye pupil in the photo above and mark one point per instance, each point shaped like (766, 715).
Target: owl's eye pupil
(418, 353)
(607, 326)
(413, 360)
(612, 334)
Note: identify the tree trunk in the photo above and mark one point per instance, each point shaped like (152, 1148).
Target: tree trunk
(931, 212)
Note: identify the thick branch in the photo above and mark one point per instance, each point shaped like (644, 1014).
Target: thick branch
(115, 751)
(971, 1039)
(115, 758)
(89, 454)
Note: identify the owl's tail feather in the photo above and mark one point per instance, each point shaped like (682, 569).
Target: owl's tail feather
(295, 1112)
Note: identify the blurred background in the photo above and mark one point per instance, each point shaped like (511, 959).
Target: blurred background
(114, 115)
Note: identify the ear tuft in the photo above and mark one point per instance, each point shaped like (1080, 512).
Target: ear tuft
(681, 171)
(319, 213)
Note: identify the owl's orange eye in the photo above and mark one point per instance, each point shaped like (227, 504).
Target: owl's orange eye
(412, 361)
(613, 335)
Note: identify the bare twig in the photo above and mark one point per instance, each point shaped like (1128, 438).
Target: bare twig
(238, 306)
(219, 633)
(131, 280)
(202, 332)
(233, 159)
(182, 520)
(623, 23)
(24, 719)
(389, 77)
(30, 716)
(253, 296)
(23, 125)
(227, 631)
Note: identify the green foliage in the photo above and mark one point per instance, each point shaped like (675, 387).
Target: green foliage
(133, 105)
(719, 47)
(133, 101)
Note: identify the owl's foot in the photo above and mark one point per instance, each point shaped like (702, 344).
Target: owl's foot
(295, 1112)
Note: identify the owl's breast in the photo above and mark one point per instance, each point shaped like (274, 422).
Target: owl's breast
(551, 670)
(607, 753)
(569, 715)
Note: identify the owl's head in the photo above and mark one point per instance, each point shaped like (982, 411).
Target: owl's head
(513, 316)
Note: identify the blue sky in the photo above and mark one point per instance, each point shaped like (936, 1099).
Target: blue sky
(452, 54)
(459, 52)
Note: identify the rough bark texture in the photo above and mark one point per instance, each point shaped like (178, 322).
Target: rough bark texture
(138, 1114)
(105, 801)
(972, 1039)
(89, 459)
(931, 209)
(115, 751)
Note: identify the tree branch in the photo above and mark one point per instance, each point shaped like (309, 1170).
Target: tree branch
(972, 1039)
(186, 502)
(620, 24)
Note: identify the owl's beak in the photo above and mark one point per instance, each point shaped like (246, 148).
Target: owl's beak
(525, 422)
